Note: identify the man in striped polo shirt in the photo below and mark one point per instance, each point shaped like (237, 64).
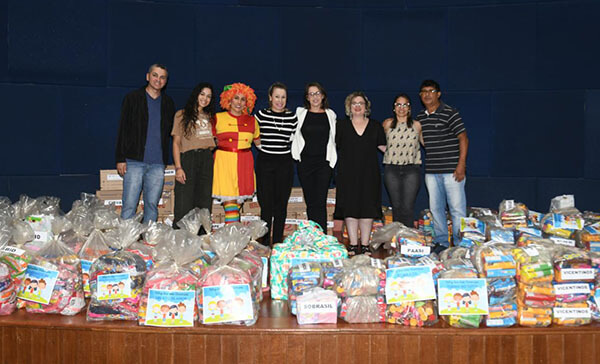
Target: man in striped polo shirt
(445, 141)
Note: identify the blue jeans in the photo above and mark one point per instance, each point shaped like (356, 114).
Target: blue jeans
(150, 178)
(443, 188)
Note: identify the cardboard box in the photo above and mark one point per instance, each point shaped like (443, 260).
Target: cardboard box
(296, 195)
(291, 224)
(296, 207)
(111, 181)
(165, 204)
(251, 207)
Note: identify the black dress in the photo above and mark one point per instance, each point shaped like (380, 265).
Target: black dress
(358, 178)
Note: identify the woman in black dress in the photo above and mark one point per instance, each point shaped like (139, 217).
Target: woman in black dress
(358, 199)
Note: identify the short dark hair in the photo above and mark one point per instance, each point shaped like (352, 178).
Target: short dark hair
(324, 103)
(430, 83)
(158, 65)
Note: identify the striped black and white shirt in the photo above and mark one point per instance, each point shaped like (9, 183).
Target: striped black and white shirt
(276, 130)
(440, 135)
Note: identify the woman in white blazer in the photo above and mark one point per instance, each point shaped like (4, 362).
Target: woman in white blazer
(313, 146)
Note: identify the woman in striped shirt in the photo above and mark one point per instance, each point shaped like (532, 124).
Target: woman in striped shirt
(274, 164)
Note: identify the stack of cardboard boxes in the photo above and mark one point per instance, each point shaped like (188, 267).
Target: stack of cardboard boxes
(296, 211)
(111, 192)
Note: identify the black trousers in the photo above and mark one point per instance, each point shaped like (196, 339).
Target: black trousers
(402, 183)
(274, 179)
(197, 190)
(315, 177)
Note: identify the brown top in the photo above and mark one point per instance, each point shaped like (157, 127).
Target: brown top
(201, 136)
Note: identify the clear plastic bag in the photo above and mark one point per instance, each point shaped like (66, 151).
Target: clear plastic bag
(8, 290)
(365, 276)
(169, 293)
(226, 294)
(363, 309)
(561, 225)
(191, 221)
(461, 321)
(52, 282)
(494, 260)
(572, 265)
(117, 278)
(513, 215)
(94, 247)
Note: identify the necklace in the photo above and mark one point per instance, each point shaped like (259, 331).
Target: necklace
(281, 123)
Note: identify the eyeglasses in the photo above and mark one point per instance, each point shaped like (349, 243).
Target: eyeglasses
(428, 91)
(398, 104)
(360, 103)
(316, 93)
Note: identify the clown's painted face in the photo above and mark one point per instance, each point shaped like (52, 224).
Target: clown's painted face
(238, 104)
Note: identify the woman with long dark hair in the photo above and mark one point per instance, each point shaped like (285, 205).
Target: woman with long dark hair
(402, 160)
(313, 146)
(274, 164)
(193, 143)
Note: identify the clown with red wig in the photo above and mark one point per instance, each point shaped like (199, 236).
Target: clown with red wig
(235, 130)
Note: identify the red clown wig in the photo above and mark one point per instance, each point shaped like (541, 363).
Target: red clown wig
(230, 91)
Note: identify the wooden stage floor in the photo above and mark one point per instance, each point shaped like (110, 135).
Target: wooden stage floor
(277, 338)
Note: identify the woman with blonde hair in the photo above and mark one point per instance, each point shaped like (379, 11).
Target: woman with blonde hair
(358, 198)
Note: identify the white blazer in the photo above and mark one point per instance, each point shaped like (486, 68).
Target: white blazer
(298, 140)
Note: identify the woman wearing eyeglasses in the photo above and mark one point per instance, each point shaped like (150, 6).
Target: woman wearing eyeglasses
(313, 146)
(358, 197)
(402, 160)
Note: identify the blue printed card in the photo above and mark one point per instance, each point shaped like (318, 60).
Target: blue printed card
(38, 284)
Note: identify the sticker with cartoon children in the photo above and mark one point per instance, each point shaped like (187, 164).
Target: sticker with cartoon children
(85, 275)
(227, 303)
(406, 284)
(38, 284)
(170, 308)
(114, 286)
(462, 296)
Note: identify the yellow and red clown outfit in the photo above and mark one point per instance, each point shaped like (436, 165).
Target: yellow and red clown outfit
(234, 178)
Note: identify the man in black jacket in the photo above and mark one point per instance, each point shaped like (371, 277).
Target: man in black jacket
(143, 143)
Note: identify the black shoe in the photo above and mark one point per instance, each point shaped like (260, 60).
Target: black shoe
(438, 248)
(353, 249)
(364, 249)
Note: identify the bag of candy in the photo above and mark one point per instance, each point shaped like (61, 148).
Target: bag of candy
(52, 282)
(94, 247)
(117, 278)
(513, 215)
(8, 290)
(169, 294)
(225, 293)
(363, 309)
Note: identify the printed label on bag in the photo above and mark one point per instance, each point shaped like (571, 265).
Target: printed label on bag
(85, 274)
(414, 250)
(170, 308)
(572, 288)
(226, 303)
(114, 286)
(509, 204)
(567, 313)
(265, 272)
(407, 284)
(13, 250)
(562, 241)
(574, 274)
(376, 263)
(531, 251)
(38, 284)
(308, 308)
(338, 263)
